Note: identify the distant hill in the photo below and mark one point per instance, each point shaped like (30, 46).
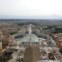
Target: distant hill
(37, 21)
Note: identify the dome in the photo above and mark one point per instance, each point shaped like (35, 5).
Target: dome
(30, 38)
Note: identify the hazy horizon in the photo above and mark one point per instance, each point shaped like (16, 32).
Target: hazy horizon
(31, 17)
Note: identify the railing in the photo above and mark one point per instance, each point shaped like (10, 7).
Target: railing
(49, 61)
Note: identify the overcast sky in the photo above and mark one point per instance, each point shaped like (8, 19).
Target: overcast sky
(31, 8)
